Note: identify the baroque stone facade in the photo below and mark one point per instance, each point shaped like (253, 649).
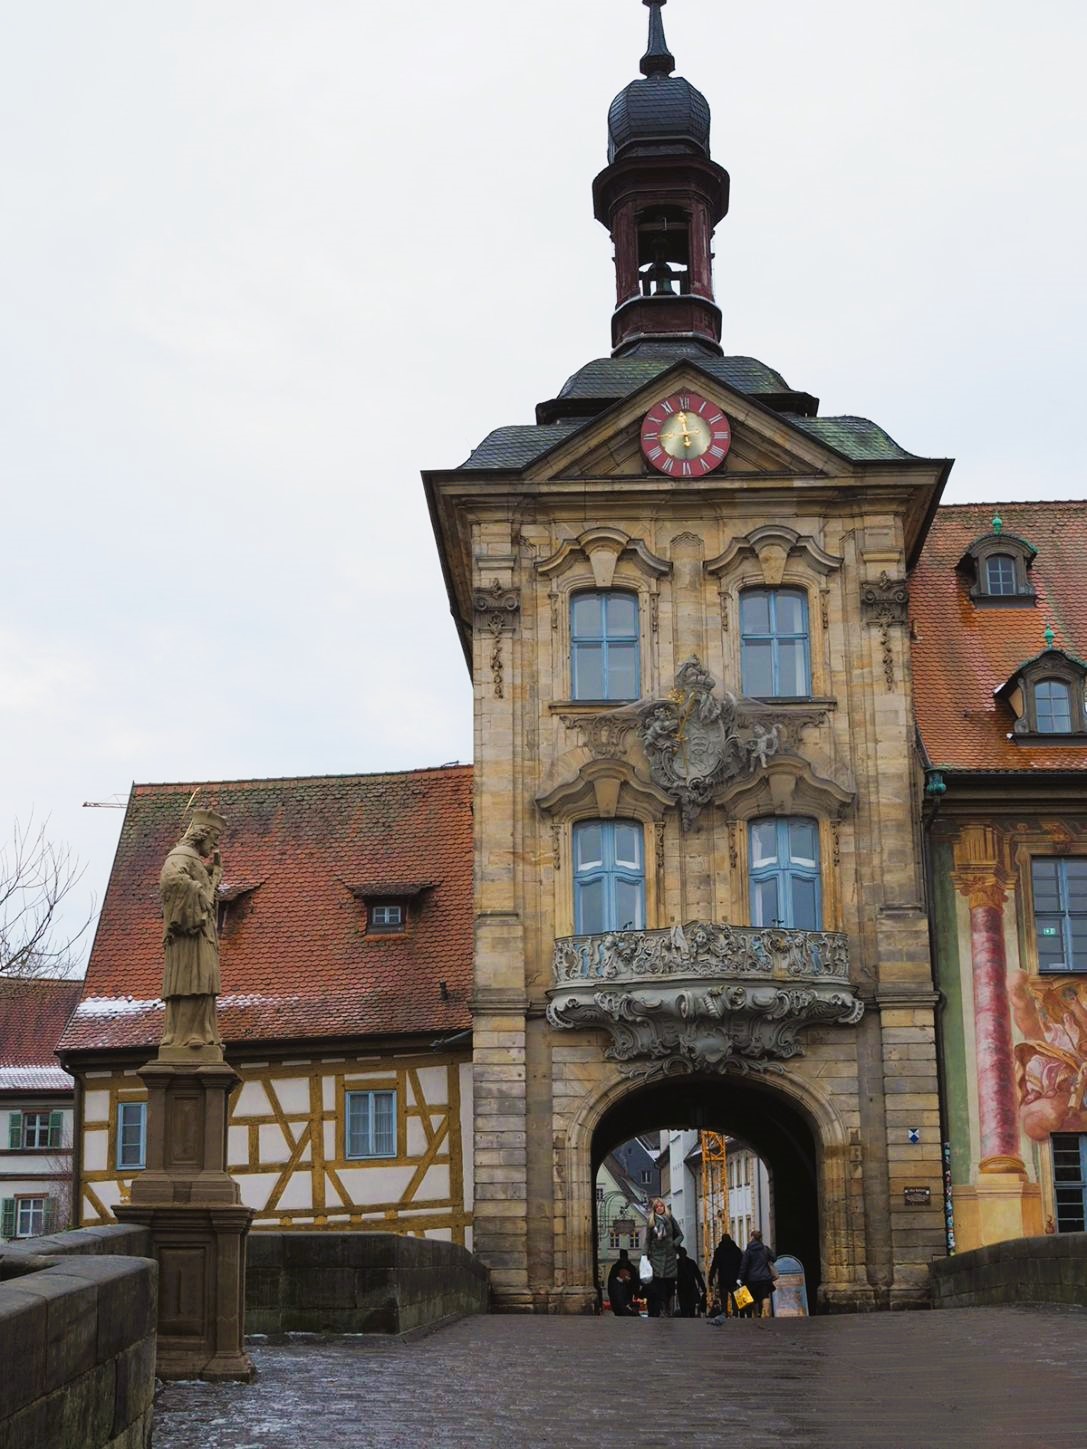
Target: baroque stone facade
(821, 1037)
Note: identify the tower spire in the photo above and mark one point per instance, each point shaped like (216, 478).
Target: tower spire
(658, 59)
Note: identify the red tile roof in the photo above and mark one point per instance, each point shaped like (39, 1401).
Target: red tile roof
(295, 959)
(32, 1017)
(962, 653)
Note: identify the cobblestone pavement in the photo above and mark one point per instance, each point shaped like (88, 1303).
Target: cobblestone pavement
(963, 1377)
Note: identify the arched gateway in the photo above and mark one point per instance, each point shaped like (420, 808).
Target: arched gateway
(775, 1125)
(698, 881)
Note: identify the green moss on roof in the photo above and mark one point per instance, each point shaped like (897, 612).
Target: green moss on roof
(519, 445)
(858, 438)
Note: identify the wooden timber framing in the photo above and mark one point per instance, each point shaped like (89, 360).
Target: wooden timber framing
(287, 1144)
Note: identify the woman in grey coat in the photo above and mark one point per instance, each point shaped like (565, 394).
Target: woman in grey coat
(663, 1236)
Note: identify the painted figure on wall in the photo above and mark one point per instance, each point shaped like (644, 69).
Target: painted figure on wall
(189, 885)
(1051, 1064)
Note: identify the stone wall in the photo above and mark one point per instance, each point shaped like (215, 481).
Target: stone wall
(1021, 1270)
(77, 1342)
(358, 1283)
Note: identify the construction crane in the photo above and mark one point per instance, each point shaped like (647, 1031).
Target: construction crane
(714, 1190)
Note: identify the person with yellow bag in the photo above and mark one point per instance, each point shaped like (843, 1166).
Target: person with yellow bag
(757, 1274)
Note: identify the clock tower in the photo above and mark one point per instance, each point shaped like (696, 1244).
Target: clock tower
(682, 593)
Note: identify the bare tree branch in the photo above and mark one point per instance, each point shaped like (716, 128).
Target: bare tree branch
(36, 877)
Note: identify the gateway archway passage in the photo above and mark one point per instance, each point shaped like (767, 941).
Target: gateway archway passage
(766, 1121)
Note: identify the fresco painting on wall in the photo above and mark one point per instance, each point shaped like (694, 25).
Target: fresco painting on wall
(1051, 1063)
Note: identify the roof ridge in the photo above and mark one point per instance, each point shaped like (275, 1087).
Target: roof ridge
(450, 769)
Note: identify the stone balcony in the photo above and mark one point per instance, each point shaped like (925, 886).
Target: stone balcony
(702, 997)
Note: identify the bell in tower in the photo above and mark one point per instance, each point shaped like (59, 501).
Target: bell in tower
(661, 197)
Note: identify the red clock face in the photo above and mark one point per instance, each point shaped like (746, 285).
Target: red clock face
(686, 436)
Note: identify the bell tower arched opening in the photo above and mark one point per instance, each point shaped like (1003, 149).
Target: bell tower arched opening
(766, 1121)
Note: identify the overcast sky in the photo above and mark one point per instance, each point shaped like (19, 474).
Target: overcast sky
(261, 262)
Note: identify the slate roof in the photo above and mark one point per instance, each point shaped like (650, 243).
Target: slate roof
(608, 379)
(295, 959)
(963, 653)
(658, 108)
(33, 1015)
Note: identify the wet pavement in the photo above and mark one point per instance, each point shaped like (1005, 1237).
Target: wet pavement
(963, 1377)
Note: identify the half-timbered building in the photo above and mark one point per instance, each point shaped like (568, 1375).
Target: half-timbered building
(346, 943)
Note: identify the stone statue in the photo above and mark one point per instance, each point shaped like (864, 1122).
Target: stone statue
(189, 885)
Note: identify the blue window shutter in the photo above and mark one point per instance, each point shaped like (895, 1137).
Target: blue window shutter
(15, 1136)
(56, 1129)
(7, 1218)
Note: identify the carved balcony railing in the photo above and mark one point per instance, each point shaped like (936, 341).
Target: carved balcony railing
(701, 949)
(702, 997)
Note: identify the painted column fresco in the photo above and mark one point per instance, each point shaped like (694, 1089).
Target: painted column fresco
(981, 877)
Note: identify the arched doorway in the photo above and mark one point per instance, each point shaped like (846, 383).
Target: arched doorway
(773, 1126)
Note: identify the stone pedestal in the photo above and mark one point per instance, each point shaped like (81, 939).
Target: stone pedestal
(192, 1208)
(997, 1207)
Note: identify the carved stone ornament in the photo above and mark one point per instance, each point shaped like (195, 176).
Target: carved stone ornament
(499, 608)
(695, 741)
(702, 997)
(883, 604)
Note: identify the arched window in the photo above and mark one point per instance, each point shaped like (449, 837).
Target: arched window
(1053, 707)
(775, 658)
(1000, 574)
(604, 645)
(785, 884)
(609, 876)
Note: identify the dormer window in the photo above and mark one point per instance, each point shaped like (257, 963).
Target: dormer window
(390, 907)
(998, 567)
(1046, 696)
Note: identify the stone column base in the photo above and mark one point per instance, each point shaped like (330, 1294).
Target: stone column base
(997, 1207)
(200, 1251)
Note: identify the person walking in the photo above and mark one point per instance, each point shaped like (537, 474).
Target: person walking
(690, 1285)
(725, 1273)
(663, 1236)
(757, 1271)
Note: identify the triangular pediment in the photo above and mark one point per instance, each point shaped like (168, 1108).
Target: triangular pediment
(764, 444)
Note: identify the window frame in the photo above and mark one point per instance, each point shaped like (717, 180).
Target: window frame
(351, 1095)
(119, 1144)
(775, 638)
(1080, 1186)
(1067, 967)
(784, 871)
(386, 927)
(605, 639)
(27, 1200)
(610, 873)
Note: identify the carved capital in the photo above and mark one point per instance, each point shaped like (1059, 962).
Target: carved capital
(980, 871)
(887, 601)
(498, 608)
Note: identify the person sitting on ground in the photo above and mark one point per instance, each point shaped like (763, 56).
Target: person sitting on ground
(621, 1293)
(690, 1285)
(725, 1275)
(756, 1270)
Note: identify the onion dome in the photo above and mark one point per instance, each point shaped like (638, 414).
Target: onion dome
(662, 111)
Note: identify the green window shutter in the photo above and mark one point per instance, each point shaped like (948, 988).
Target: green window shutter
(49, 1217)
(56, 1128)
(7, 1218)
(15, 1133)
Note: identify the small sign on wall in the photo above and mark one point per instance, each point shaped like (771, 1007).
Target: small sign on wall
(917, 1196)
